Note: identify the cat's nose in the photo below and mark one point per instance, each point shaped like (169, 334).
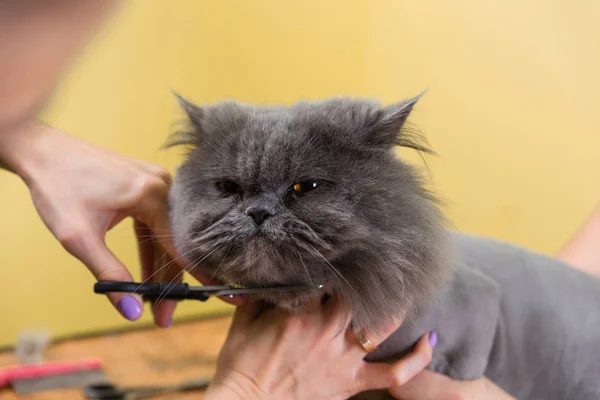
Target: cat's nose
(258, 214)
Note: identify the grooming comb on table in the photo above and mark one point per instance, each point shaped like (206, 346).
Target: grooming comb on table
(30, 378)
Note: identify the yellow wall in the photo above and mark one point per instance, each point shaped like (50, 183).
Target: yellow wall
(511, 109)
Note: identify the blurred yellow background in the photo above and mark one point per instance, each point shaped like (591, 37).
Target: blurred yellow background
(512, 110)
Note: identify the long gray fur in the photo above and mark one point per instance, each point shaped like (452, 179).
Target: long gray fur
(370, 231)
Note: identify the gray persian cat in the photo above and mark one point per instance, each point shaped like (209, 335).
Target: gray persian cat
(310, 194)
(314, 194)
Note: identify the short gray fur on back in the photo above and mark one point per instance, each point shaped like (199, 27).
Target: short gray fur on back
(370, 232)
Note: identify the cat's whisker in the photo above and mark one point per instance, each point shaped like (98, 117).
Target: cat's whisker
(236, 259)
(221, 263)
(150, 240)
(306, 269)
(151, 235)
(174, 281)
(133, 235)
(119, 227)
(164, 266)
(189, 269)
(140, 236)
(334, 269)
(172, 284)
(165, 254)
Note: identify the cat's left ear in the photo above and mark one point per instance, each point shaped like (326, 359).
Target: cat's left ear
(387, 128)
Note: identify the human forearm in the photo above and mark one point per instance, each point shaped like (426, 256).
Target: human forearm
(583, 250)
(22, 147)
(37, 41)
(429, 385)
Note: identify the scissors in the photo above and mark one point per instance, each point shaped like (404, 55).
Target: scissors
(108, 391)
(183, 291)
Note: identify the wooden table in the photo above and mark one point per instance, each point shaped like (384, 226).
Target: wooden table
(150, 356)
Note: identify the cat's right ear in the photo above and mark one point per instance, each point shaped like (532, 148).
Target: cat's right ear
(190, 136)
(193, 112)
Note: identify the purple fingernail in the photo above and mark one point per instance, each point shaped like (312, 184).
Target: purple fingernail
(130, 308)
(433, 338)
(169, 322)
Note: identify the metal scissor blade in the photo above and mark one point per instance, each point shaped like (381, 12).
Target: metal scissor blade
(276, 289)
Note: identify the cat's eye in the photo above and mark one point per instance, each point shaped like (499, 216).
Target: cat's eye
(301, 188)
(229, 187)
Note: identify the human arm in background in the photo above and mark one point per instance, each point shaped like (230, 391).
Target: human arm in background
(583, 250)
(37, 42)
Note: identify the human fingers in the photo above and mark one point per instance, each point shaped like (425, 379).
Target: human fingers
(247, 326)
(369, 339)
(426, 385)
(89, 247)
(366, 340)
(384, 375)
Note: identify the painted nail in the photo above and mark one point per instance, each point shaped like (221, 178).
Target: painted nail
(130, 308)
(433, 339)
(169, 322)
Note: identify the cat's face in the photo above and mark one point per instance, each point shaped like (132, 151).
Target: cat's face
(307, 195)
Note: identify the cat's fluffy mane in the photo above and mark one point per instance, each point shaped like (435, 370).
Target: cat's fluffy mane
(371, 230)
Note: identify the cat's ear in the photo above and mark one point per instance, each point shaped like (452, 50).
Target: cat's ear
(191, 135)
(193, 112)
(216, 122)
(389, 127)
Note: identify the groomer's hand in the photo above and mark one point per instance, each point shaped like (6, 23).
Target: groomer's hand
(308, 356)
(429, 385)
(82, 191)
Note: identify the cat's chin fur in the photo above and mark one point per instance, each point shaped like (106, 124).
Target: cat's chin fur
(290, 302)
(295, 301)
(370, 229)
